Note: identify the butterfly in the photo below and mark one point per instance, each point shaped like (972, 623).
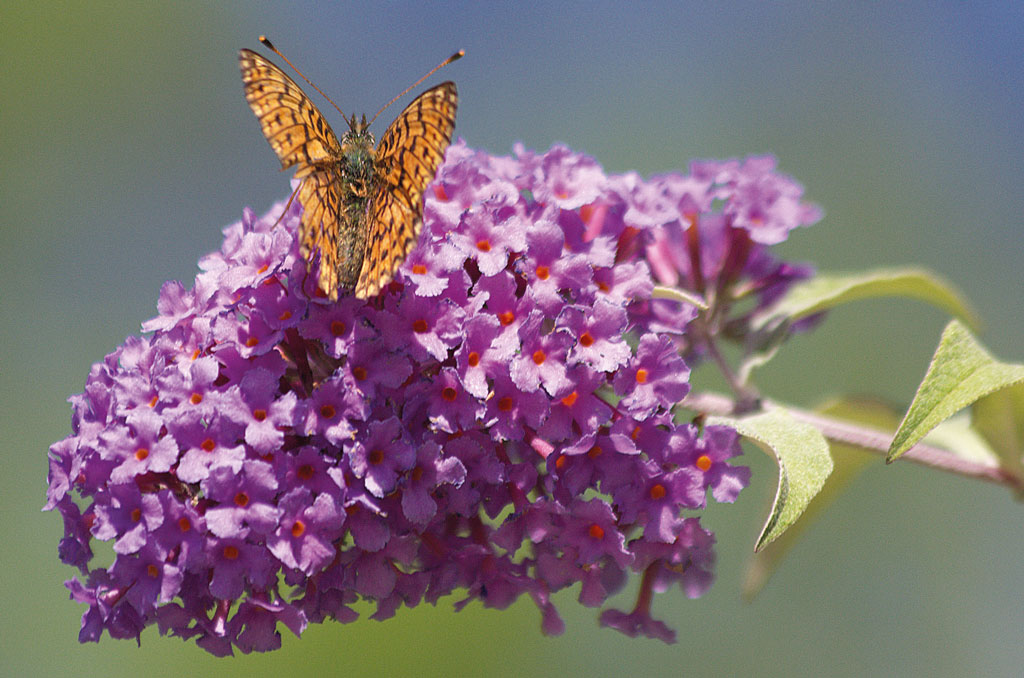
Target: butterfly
(362, 207)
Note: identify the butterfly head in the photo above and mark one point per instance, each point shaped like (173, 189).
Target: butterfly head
(358, 127)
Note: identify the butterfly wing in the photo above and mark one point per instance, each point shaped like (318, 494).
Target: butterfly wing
(302, 138)
(291, 123)
(320, 197)
(408, 155)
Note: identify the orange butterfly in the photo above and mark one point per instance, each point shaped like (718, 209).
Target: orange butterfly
(362, 208)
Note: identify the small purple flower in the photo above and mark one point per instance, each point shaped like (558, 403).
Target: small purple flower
(205, 444)
(511, 408)
(454, 408)
(305, 530)
(598, 335)
(477, 359)
(382, 456)
(254, 404)
(542, 357)
(332, 406)
(593, 531)
(656, 377)
(485, 242)
(579, 411)
(421, 326)
(551, 271)
(431, 470)
(245, 500)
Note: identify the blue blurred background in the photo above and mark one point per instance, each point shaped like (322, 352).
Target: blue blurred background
(125, 146)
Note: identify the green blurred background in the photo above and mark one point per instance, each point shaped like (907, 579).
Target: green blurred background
(126, 145)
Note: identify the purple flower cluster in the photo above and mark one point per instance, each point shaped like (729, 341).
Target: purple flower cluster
(499, 421)
(709, 232)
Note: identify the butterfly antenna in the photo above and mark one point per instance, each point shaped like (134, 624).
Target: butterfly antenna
(455, 57)
(269, 45)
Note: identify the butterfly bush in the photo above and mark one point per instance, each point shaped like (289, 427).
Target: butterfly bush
(499, 422)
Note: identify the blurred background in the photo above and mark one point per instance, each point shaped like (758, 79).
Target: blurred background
(126, 145)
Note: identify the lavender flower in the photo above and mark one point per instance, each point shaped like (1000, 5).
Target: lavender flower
(708, 233)
(265, 456)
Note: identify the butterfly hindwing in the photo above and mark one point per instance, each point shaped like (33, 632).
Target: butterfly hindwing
(407, 158)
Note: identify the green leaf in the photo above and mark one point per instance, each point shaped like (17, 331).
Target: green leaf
(848, 459)
(961, 372)
(684, 296)
(957, 437)
(803, 459)
(826, 290)
(999, 419)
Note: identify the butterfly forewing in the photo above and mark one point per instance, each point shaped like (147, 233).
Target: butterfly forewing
(291, 123)
(409, 153)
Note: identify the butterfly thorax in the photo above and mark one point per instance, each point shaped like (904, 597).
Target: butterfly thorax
(357, 156)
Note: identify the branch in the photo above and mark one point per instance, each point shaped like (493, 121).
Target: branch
(869, 439)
